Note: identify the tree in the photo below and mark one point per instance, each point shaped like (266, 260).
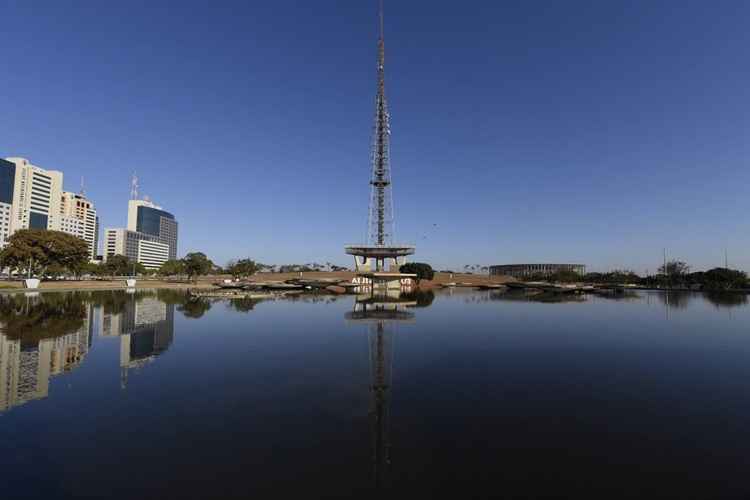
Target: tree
(243, 305)
(265, 268)
(721, 278)
(121, 265)
(91, 269)
(172, 267)
(197, 264)
(674, 268)
(194, 308)
(33, 251)
(565, 277)
(422, 270)
(242, 268)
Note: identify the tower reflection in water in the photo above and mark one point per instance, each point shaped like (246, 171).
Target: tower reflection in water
(380, 311)
(46, 335)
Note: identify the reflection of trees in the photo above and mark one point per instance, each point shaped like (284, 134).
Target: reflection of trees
(625, 295)
(311, 297)
(423, 298)
(243, 305)
(675, 298)
(194, 308)
(726, 299)
(115, 301)
(533, 296)
(48, 316)
(171, 296)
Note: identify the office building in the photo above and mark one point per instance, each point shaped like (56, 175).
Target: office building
(33, 198)
(147, 218)
(140, 247)
(150, 237)
(7, 184)
(37, 195)
(78, 217)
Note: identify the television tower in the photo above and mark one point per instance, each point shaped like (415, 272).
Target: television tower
(381, 201)
(380, 250)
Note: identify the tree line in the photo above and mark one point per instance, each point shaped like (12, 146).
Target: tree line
(44, 253)
(673, 274)
(51, 254)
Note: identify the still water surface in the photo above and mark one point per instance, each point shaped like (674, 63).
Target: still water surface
(468, 393)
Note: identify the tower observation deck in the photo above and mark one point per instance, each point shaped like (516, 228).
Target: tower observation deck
(380, 252)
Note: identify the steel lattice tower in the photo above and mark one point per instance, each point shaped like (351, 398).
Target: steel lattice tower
(380, 252)
(380, 224)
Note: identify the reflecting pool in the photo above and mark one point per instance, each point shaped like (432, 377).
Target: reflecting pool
(468, 393)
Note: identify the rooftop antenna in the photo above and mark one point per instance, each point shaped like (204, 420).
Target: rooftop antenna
(726, 258)
(134, 187)
(83, 187)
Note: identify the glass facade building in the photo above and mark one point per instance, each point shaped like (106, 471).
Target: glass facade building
(153, 221)
(37, 220)
(7, 181)
(149, 220)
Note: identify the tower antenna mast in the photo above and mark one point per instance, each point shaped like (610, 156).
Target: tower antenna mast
(380, 247)
(381, 20)
(381, 202)
(134, 187)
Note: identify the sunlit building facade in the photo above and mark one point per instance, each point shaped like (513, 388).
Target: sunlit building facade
(37, 195)
(33, 198)
(78, 217)
(150, 237)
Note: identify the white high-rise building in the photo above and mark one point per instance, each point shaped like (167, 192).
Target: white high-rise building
(136, 246)
(33, 198)
(78, 217)
(36, 196)
(7, 188)
(150, 237)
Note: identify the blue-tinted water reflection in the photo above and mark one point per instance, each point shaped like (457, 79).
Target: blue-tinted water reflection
(154, 394)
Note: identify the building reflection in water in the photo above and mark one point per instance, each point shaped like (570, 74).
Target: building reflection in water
(145, 327)
(380, 312)
(40, 339)
(45, 335)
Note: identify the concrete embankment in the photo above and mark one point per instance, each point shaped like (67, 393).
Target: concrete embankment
(207, 282)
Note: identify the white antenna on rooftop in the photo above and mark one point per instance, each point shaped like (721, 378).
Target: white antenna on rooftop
(83, 187)
(134, 187)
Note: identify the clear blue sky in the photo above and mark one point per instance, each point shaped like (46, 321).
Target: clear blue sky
(595, 132)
